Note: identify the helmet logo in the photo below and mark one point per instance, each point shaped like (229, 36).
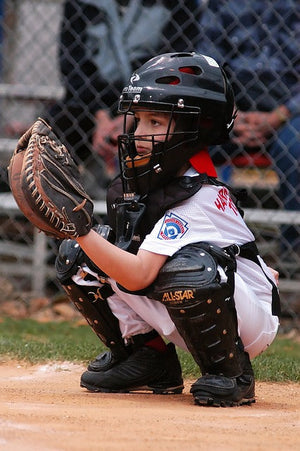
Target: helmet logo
(211, 61)
(134, 77)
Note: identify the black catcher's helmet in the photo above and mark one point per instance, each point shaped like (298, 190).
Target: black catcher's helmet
(194, 89)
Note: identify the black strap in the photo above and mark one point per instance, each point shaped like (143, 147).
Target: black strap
(250, 251)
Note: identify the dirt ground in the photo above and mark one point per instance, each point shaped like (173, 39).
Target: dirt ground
(42, 407)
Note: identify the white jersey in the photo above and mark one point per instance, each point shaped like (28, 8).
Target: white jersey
(209, 215)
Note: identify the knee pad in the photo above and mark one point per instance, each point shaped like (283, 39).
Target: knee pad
(201, 305)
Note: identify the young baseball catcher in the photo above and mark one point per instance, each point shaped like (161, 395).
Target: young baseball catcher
(176, 264)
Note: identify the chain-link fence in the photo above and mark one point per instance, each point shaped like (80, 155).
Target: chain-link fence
(67, 62)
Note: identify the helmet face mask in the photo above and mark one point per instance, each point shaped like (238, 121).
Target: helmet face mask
(193, 90)
(143, 172)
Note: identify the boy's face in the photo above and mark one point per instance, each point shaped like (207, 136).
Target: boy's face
(149, 123)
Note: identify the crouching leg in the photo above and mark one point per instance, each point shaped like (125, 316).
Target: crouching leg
(200, 303)
(126, 367)
(87, 290)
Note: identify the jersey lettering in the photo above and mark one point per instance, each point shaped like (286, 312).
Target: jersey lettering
(224, 201)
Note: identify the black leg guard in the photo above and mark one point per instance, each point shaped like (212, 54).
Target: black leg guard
(203, 311)
(209, 329)
(91, 303)
(210, 333)
(91, 299)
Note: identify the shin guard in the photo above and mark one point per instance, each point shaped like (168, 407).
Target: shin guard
(202, 306)
(90, 294)
(93, 306)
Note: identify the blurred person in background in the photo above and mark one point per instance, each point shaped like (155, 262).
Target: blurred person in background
(259, 44)
(1, 32)
(101, 43)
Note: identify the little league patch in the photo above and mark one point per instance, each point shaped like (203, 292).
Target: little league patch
(173, 227)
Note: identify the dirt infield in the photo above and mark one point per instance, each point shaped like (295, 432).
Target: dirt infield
(43, 407)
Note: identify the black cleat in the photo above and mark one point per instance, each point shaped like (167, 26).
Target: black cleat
(104, 361)
(221, 391)
(118, 354)
(144, 370)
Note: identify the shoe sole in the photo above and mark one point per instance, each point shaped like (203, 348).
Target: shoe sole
(213, 402)
(145, 388)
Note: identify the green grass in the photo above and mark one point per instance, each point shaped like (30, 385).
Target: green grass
(41, 342)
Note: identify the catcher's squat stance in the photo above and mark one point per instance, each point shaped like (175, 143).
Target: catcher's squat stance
(177, 260)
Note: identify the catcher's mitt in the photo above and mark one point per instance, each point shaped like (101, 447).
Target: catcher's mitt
(44, 181)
